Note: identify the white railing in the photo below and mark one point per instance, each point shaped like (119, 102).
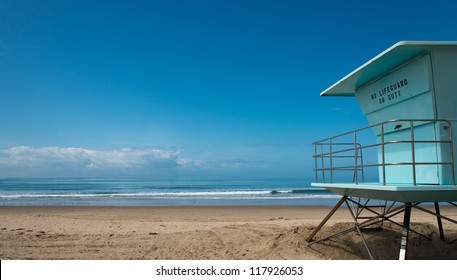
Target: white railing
(396, 144)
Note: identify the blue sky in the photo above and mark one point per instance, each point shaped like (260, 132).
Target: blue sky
(188, 89)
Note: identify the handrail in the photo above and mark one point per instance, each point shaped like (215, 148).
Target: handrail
(329, 153)
(386, 122)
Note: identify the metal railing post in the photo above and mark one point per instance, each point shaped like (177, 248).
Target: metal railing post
(413, 152)
(361, 162)
(331, 160)
(355, 159)
(383, 155)
(451, 150)
(322, 162)
(315, 162)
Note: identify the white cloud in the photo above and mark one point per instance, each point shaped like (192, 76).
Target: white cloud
(188, 162)
(25, 161)
(30, 161)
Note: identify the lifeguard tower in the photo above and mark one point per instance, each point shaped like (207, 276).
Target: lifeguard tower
(408, 94)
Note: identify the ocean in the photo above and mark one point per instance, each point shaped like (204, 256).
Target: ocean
(149, 192)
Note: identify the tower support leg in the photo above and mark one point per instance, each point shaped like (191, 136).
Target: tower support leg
(438, 218)
(405, 232)
(329, 215)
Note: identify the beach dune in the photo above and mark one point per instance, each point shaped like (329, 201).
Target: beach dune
(232, 232)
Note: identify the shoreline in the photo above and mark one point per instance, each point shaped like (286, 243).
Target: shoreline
(170, 192)
(205, 232)
(174, 202)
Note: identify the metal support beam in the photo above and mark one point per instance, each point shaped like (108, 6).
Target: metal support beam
(316, 230)
(357, 226)
(435, 214)
(386, 215)
(405, 232)
(438, 219)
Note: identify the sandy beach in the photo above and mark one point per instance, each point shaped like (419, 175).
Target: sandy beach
(220, 233)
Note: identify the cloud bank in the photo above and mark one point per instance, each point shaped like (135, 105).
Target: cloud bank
(61, 162)
(58, 161)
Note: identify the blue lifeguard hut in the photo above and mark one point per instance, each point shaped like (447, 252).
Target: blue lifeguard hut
(408, 94)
